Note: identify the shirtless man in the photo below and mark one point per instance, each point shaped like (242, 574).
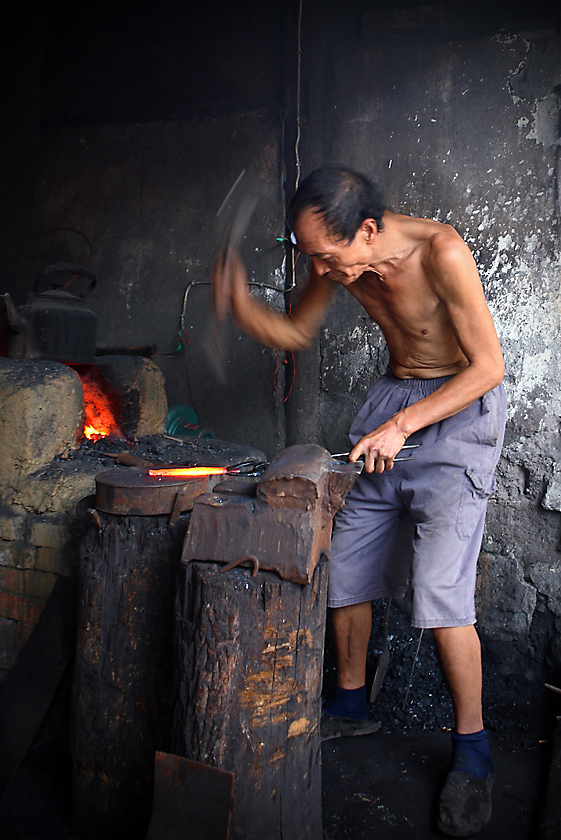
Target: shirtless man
(417, 280)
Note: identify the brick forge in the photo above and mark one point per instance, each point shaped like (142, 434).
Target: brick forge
(41, 422)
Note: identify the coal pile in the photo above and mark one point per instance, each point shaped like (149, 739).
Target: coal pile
(109, 452)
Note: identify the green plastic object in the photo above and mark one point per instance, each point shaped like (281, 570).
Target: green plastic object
(182, 420)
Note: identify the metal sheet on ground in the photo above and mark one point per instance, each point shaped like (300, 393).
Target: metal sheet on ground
(191, 800)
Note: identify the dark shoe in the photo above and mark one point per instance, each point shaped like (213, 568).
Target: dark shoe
(465, 804)
(343, 727)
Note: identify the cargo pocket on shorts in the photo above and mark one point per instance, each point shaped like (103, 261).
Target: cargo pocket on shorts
(477, 487)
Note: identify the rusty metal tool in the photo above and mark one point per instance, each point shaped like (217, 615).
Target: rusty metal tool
(382, 666)
(249, 468)
(410, 683)
(192, 801)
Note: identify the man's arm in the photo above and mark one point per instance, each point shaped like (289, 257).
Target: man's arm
(271, 328)
(455, 280)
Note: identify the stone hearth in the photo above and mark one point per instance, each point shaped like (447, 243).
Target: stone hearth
(42, 479)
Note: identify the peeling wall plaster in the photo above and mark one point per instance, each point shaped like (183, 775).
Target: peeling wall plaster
(465, 132)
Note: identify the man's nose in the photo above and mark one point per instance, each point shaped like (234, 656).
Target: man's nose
(320, 266)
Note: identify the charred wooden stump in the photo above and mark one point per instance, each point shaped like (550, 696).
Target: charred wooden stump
(123, 676)
(250, 642)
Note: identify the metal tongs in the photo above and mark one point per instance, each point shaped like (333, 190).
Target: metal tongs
(405, 446)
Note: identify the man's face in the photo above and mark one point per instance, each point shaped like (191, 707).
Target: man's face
(342, 262)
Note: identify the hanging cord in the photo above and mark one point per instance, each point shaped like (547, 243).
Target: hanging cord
(298, 90)
(294, 255)
(298, 129)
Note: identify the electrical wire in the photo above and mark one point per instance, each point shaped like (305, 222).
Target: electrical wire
(298, 90)
(294, 256)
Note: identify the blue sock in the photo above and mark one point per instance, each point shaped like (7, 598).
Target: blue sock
(348, 702)
(471, 754)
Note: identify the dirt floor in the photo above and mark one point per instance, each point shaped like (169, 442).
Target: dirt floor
(384, 785)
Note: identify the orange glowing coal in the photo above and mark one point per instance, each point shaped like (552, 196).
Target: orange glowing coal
(100, 405)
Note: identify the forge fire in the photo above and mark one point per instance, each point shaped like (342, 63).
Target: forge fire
(101, 405)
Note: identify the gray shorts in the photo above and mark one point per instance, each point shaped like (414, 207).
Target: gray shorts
(420, 524)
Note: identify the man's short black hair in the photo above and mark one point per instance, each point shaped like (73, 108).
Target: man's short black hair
(343, 197)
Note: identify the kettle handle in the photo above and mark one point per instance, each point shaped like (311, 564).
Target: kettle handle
(66, 268)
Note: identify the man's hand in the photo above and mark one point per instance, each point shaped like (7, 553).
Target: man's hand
(229, 288)
(379, 447)
(221, 287)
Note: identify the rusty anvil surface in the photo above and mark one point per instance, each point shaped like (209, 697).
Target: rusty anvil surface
(283, 521)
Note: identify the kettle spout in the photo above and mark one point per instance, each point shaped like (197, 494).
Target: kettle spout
(17, 321)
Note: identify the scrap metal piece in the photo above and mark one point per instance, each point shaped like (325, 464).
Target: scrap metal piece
(410, 683)
(192, 801)
(249, 559)
(29, 688)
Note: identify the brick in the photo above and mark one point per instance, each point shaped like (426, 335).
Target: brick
(14, 636)
(20, 607)
(9, 641)
(40, 413)
(56, 560)
(23, 633)
(11, 580)
(18, 555)
(9, 657)
(38, 584)
(48, 534)
(11, 524)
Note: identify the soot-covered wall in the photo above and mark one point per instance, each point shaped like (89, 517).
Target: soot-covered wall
(139, 119)
(463, 126)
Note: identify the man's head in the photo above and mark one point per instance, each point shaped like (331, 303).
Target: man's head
(343, 199)
(336, 216)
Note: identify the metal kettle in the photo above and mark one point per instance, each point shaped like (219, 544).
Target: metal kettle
(54, 324)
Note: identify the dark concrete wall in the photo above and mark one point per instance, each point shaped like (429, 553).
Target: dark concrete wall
(148, 197)
(148, 114)
(150, 111)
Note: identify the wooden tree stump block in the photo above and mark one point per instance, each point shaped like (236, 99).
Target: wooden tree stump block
(123, 678)
(249, 669)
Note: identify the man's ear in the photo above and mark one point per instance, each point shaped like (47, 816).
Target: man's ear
(370, 230)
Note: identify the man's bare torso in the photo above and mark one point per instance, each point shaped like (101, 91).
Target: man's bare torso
(399, 295)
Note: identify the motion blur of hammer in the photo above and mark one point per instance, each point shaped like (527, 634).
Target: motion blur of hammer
(223, 274)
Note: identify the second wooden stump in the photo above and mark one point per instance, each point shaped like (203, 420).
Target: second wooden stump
(250, 658)
(250, 643)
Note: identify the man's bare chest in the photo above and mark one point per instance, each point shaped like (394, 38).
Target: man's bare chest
(401, 301)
